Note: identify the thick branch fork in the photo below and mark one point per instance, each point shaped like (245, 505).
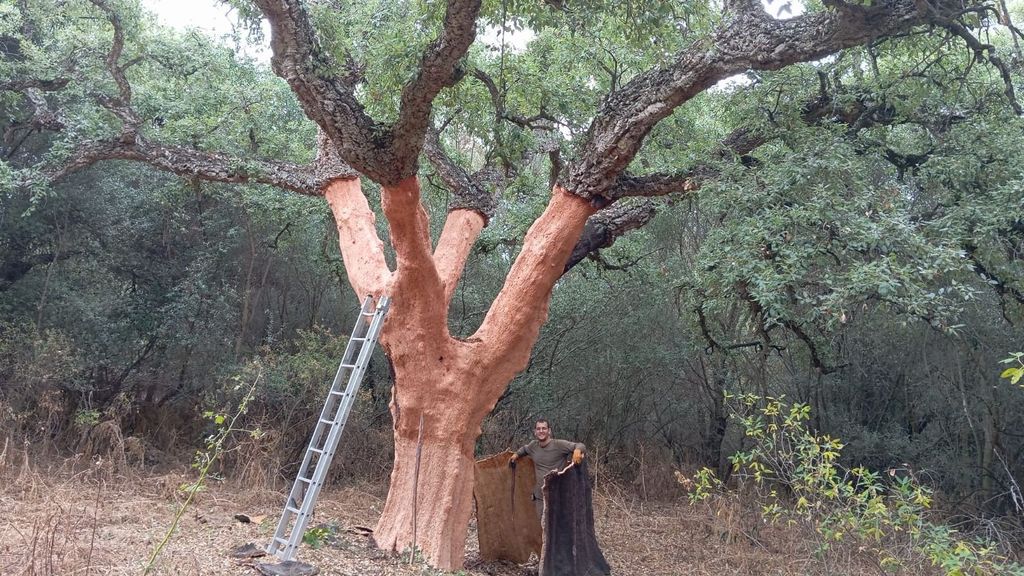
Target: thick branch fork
(385, 154)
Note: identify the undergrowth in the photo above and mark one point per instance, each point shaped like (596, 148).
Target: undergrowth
(789, 474)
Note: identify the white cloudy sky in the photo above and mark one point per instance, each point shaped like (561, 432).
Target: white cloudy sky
(203, 14)
(208, 16)
(217, 20)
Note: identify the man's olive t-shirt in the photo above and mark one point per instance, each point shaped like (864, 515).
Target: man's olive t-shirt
(548, 458)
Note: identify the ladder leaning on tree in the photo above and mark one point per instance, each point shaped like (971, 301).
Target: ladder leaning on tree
(313, 471)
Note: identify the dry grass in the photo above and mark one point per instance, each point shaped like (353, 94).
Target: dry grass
(101, 522)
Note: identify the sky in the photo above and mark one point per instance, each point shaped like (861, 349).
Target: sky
(205, 15)
(208, 16)
(217, 20)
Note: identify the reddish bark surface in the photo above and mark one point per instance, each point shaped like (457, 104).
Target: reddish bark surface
(452, 384)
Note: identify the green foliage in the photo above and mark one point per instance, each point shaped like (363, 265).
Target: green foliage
(891, 250)
(87, 417)
(302, 374)
(318, 536)
(799, 480)
(1014, 373)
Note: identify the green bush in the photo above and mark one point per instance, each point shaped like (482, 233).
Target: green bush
(284, 409)
(39, 370)
(883, 518)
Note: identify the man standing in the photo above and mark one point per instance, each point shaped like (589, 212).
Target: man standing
(548, 454)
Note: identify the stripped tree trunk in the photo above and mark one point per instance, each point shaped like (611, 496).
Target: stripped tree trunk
(452, 383)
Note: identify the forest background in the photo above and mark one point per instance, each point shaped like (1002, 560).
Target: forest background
(863, 258)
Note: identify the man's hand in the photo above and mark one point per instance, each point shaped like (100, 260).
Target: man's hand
(577, 456)
(512, 460)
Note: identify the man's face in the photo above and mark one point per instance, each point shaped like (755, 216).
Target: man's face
(541, 432)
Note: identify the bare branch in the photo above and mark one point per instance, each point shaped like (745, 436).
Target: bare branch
(213, 166)
(361, 247)
(501, 113)
(997, 283)
(467, 194)
(461, 230)
(509, 325)
(121, 106)
(986, 51)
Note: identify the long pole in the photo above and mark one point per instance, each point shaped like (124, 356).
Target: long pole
(415, 486)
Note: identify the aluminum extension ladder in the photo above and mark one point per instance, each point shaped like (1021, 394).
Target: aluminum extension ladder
(299, 508)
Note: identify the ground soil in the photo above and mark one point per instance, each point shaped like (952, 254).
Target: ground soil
(99, 523)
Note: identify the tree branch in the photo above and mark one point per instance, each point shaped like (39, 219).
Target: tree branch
(501, 113)
(386, 154)
(121, 105)
(20, 84)
(327, 100)
(416, 285)
(466, 193)
(361, 246)
(607, 225)
(986, 51)
(521, 307)
(461, 230)
(438, 69)
(213, 166)
(750, 41)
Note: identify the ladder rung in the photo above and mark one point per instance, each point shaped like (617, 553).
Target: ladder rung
(317, 450)
(281, 540)
(348, 365)
(304, 479)
(331, 422)
(293, 509)
(339, 393)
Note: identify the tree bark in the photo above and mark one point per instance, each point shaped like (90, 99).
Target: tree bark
(453, 384)
(453, 395)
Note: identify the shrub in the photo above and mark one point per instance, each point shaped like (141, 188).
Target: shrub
(284, 409)
(39, 370)
(850, 513)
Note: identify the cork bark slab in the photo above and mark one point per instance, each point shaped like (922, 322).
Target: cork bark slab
(505, 535)
(570, 544)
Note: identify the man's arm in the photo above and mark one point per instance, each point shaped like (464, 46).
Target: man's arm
(519, 453)
(576, 449)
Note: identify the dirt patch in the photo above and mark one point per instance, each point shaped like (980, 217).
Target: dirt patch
(83, 525)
